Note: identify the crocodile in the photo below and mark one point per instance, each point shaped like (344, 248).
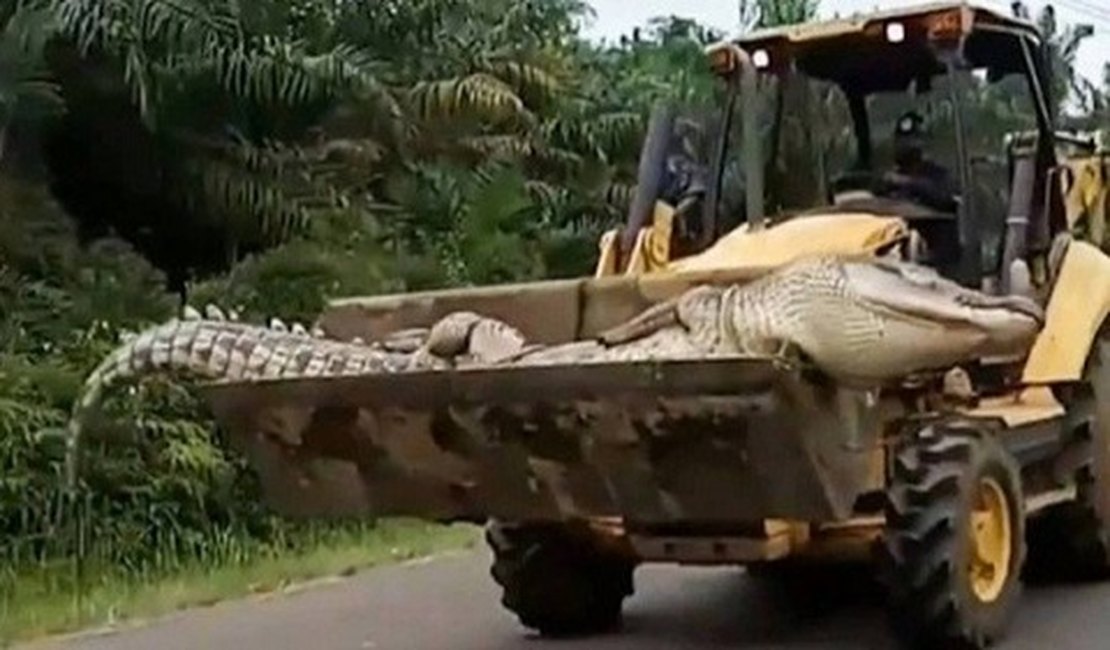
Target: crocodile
(216, 347)
(862, 322)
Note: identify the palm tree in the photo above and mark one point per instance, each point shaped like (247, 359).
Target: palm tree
(25, 89)
(196, 102)
(773, 13)
(1063, 43)
(264, 113)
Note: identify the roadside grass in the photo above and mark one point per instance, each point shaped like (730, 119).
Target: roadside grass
(47, 601)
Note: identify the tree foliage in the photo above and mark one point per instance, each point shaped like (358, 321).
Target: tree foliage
(282, 153)
(270, 155)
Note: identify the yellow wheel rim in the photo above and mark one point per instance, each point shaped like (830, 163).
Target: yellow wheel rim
(991, 543)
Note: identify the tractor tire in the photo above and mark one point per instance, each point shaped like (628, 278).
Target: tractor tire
(954, 544)
(1071, 542)
(557, 584)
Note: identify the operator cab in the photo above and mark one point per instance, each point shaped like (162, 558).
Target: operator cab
(902, 80)
(915, 187)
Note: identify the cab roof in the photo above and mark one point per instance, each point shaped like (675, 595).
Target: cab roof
(890, 49)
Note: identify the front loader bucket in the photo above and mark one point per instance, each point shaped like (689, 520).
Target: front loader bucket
(656, 443)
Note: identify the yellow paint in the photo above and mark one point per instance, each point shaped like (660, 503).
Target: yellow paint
(723, 58)
(824, 30)
(650, 254)
(939, 18)
(610, 254)
(852, 540)
(1087, 198)
(797, 530)
(991, 542)
(1079, 306)
(1029, 406)
(659, 239)
(639, 261)
(839, 234)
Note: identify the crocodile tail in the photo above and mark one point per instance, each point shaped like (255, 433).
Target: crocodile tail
(655, 318)
(647, 323)
(216, 349)
(675, 312)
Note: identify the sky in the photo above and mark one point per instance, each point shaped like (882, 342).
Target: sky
(616, 17)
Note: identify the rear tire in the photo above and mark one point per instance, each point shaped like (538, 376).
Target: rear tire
(1072, 541)
(954, 543)
(556, 583)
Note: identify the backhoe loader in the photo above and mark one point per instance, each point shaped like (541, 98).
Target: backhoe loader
(954, 481)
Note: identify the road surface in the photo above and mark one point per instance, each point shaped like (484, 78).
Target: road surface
(449, 603)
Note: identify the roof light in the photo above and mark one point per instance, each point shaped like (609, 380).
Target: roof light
(761, 59)
(895, 32)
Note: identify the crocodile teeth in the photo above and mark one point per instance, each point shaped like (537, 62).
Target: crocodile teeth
(299, 329)
(127, 337)
(278, 326)
(358, 340)
(233, 316)
(190, 313)
(212, 312)
(317, 333)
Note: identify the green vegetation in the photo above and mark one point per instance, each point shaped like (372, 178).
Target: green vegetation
(264, 156)
(270, 155)
(51, 602)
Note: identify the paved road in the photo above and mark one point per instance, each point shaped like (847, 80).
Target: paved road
(450, 603)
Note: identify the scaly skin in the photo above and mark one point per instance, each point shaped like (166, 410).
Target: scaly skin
(859, 321)
(220, 350)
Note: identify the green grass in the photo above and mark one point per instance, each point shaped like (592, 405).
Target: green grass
(47, 602)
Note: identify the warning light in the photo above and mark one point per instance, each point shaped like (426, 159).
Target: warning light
(896, 32)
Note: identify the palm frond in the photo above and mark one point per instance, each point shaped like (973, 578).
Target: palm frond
(533, 84)
(166, 41)
(557, 161)
(547, 194)
(186, 24)
(478, 95)
(274, 72)
(267, 194)
(501, 147)
(602, 136)
(619, 195)
(138, 33)
(25, 87)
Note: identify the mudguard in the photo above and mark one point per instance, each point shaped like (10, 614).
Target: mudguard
(1077, 310)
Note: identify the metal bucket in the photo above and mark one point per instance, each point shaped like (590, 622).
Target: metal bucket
(654, 443)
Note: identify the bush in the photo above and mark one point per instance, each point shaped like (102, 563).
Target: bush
(158, 488)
